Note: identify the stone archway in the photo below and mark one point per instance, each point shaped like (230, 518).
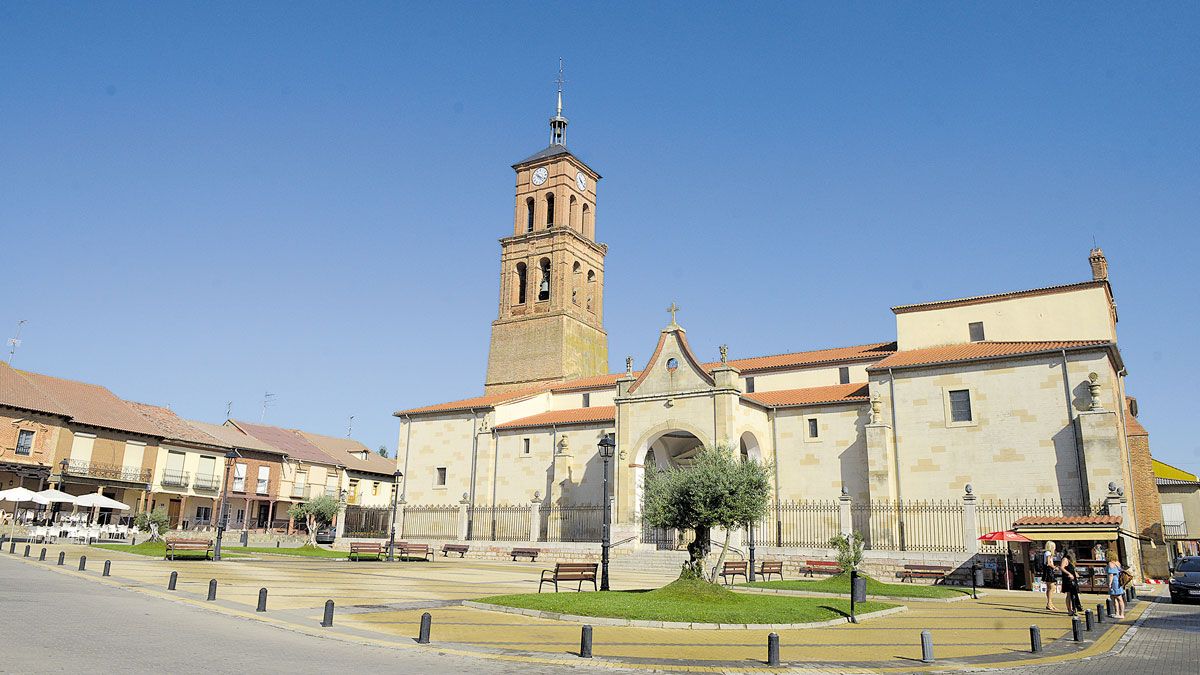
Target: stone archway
(749, 447)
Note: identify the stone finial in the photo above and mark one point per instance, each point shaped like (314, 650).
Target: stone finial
(1094, 391)
(465, 498)
(629, 366)
(724, 353)
(537, 496)
(562, 445)
(969, 489)
(1112, 488)
(1120, 492)
(876, 410)
(845, 492)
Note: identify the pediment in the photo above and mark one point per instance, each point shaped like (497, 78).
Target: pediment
(673, 367)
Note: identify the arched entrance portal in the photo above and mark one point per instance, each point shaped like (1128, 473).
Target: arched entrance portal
(671, 449)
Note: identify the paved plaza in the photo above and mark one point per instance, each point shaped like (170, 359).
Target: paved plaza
(378, 605)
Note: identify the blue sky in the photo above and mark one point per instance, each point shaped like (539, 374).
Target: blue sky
(204, 202)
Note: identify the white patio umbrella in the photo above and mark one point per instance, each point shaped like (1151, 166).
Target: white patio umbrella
(52, 496)
(97, 500)
(16, 495)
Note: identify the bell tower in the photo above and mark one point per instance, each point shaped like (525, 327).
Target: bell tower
(550, 323)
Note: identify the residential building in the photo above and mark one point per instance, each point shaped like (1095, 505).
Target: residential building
(368, 476)
(188, 470)
(1179, 493)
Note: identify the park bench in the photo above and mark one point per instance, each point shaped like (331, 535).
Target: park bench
(361, 548)
(421, 551)
(580, 572)
(935, 572)
(811, 567)
(733, 568)
(767, 568)
(460, 549)
(174, 546)
(531, 553)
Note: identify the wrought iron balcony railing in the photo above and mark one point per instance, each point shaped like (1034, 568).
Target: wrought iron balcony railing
(178, 479)
(1175, 530)
(129, 474)
(212, 482)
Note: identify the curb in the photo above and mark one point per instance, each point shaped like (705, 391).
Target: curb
(822, 594)
(636, 623)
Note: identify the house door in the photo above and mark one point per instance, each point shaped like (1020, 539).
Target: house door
(173, 513)
(264, 515)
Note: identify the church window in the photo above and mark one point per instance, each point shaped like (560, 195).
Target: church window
(812, 427)
(672, 364)
(591, 290)
(544, 282)
(975, 328)
(575, 275)
(573, 214)
(440, 478)
(587, 400)
(844, 375)
(960, 405)
(749, 385)
(586, 220)
(529, 215)
(522, 278)
(550, 210)
(524, 446)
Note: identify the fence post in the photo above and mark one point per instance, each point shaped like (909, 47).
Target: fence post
(970, 526)
(845, 520)
(463, 517)
(535, 517)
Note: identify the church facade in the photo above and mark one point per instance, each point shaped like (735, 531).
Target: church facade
(999, 399)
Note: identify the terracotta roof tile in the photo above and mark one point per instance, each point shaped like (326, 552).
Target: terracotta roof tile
(485, 401)
(233, 437)
(602, 413)
(977, 299)
(876, 350)
(972, 351)
(596, 382)
(855, 392)
(172, 426)
(91, 404)
(349, 451)
(18, 392)
(1068, 520)
(289, 441)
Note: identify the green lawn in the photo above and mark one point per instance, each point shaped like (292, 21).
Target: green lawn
(303, 551)
(159, 550)
(155, 549)
(841, 584)
(687, 601)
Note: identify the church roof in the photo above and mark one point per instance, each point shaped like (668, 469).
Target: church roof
(855, 392)
(479, 402)
(875, 350)
(603, 413)
(553, 150)
(975, 351)
(977, 299)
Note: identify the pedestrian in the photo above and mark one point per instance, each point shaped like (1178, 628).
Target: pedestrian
(1116, 590)
(1049, 568)
(1070, 584)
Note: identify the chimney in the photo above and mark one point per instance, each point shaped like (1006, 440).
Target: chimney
(1099, 265)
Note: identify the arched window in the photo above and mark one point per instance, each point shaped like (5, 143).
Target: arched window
(576, 275)
(544, 283)
(522, 278)
(573, 214)
(585, 222)
(529, 215)
(550, 210)
(591, 290)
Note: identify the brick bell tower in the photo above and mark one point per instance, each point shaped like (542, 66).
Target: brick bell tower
(550, 324)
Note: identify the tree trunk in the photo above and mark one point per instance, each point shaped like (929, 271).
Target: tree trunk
(697, 551)
(312, 530)
(721, 558)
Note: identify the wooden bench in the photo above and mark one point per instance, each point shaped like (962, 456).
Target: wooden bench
(421, 551)
(361, 548)
(767, 568)
(174, 546)
(733, 568)
(935, 572)
(460, 549)
(811, 567)
(531, 553)
(580, 572)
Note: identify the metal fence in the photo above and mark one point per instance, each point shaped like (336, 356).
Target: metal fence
(572, 523)
(430, 522)
(363, 521)
(799, 523)
(499, 523)
(998, 515)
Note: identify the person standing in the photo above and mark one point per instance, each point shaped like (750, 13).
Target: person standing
(1116, 590)
(1070, 584)
(1049, 568)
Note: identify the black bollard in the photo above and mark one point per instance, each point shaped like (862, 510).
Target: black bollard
(926, 647)
(42, 555)
(107, 568)
(1133, 592)
(1108, 607)
(1088, 620)
(773, 649)
(262, 600)
(327, 621)
(62, 557)
(585, 642)
(172, 581)
(1076, 629)
(12, 547)
(212, 589)
(1035, 639)
(82, 563)
(1099, 613)
(426, 624)
(26, 551)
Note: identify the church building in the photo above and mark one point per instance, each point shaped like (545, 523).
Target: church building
(988, 401)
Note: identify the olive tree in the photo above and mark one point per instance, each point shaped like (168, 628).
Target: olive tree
(155, 522)
(718, 489)
(316, 513)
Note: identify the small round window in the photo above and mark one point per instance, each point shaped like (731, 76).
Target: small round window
(672, 364)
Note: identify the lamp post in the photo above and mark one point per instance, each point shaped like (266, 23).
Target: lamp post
(606, 446)
(223, 515)
(395, 502)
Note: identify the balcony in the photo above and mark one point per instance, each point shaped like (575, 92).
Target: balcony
(210, 483)
(1175, 530)
(175, 479)
(128, 474)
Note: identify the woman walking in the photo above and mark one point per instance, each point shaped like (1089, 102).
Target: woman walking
(1116, 591)
(1049, 574)
(1070, 584)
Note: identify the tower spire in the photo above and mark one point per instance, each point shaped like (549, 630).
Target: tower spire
(558, 123)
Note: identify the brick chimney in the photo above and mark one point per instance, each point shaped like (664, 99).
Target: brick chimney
(1099, 265)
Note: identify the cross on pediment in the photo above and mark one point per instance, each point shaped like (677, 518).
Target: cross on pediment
(672, 309)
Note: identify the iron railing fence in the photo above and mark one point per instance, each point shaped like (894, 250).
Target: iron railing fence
(175, 478)
(501, 522)
(201, 482)
(429, 522)
(367, 521)
(129, 474)
(572, 523)
(995, 515)
(932, 525)
(799, 523)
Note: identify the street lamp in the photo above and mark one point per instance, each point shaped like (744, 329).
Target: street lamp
(606, 446)
(395, 502)
(223, 515)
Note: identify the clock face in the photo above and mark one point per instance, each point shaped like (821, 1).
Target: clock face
(540, 175)
(581, 181)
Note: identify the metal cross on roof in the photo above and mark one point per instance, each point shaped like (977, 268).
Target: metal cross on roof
(672, 309)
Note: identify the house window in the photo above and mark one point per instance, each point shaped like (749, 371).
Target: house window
(440, 480)
(960, 405)
(298, 483)
(844, 375)
(587, 400)
(975, 328)
(375, 489)
(524, 446)
(749, 385)
(353, 491)
(264, 477)
(203, 514)
(241, 517)
(812, 427)
(24, 442)
(239, 479)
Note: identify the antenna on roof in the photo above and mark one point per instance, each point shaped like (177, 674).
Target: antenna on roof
(350, 427)
(229, 410)
(268, 401)
(14, 342)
